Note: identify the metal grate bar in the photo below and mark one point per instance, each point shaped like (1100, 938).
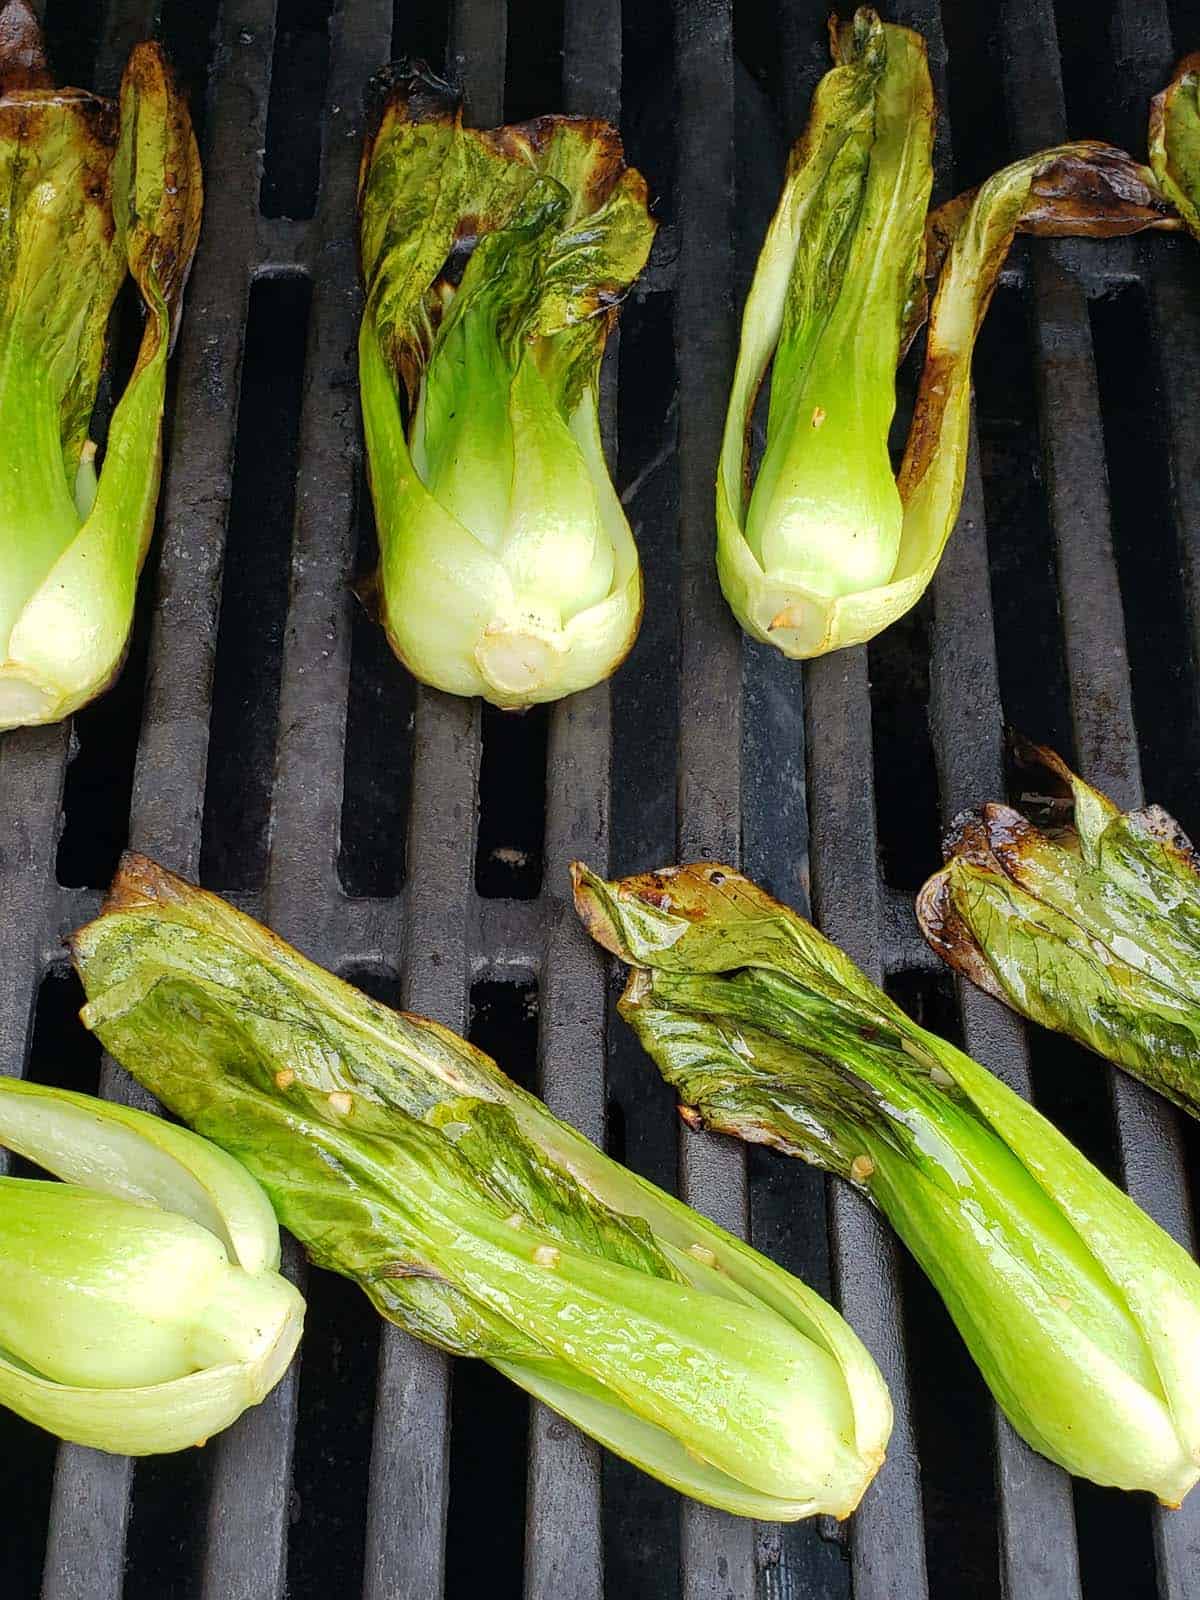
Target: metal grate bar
(717, 1550)
(245, 1552)
(168, 790)
(31, 782)
(887, 1544)
(563, 1548)
(1036, 1513)
(1149, 1132)
(172, 757)
(1171, 294)
(302, 879)
(1039, 1558)
(564, 1551)
(886, 1536)
(248, 1517)
(89, 1516)
(1147, 1128)
(406, 1518)
(1170, 282)
(410, 1450)
(476, 55)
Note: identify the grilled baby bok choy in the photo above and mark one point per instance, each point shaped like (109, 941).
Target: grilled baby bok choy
(1092, 928)
(826, 548)
(1175, 141)
(494, 263)
(1082, 1315)
(404, 1159)
(91, 191)
(141, 1306)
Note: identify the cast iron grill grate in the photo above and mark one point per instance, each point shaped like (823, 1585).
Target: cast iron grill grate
(263, 738)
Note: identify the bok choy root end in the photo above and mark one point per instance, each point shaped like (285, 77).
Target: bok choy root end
(92, 192)
(1082, 1315)
(494, 264)
(404, 1159)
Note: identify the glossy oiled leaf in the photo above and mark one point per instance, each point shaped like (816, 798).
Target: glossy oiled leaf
(404, 1159)
(494, 264)
(1092, 930)
(1082, 1315)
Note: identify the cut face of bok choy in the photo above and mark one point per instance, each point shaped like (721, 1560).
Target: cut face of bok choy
(404, 1159)
(494, 263)
(1081, 1314)
(92, 191)
(825, 548)
(1091, 927)
(141, 1305)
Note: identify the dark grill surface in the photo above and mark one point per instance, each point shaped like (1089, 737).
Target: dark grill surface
(263, 738)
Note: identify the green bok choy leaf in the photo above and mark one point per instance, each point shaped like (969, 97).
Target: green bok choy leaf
(404, 1159)
(92, 191)
(1081, 1314)
(1091, 928)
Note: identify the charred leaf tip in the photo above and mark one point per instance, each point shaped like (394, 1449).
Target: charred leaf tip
(411, 87)
(963, 829)
(1023, 749)
(587, 890)
(581, 875)
(930, 903)
(137, 881)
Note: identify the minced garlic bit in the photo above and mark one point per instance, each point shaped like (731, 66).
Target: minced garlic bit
(818, 416)
(861, 1168)
(546, 1255)
(341, 1102)
(515, 1220)
(285, 1078)
(703, 1254)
